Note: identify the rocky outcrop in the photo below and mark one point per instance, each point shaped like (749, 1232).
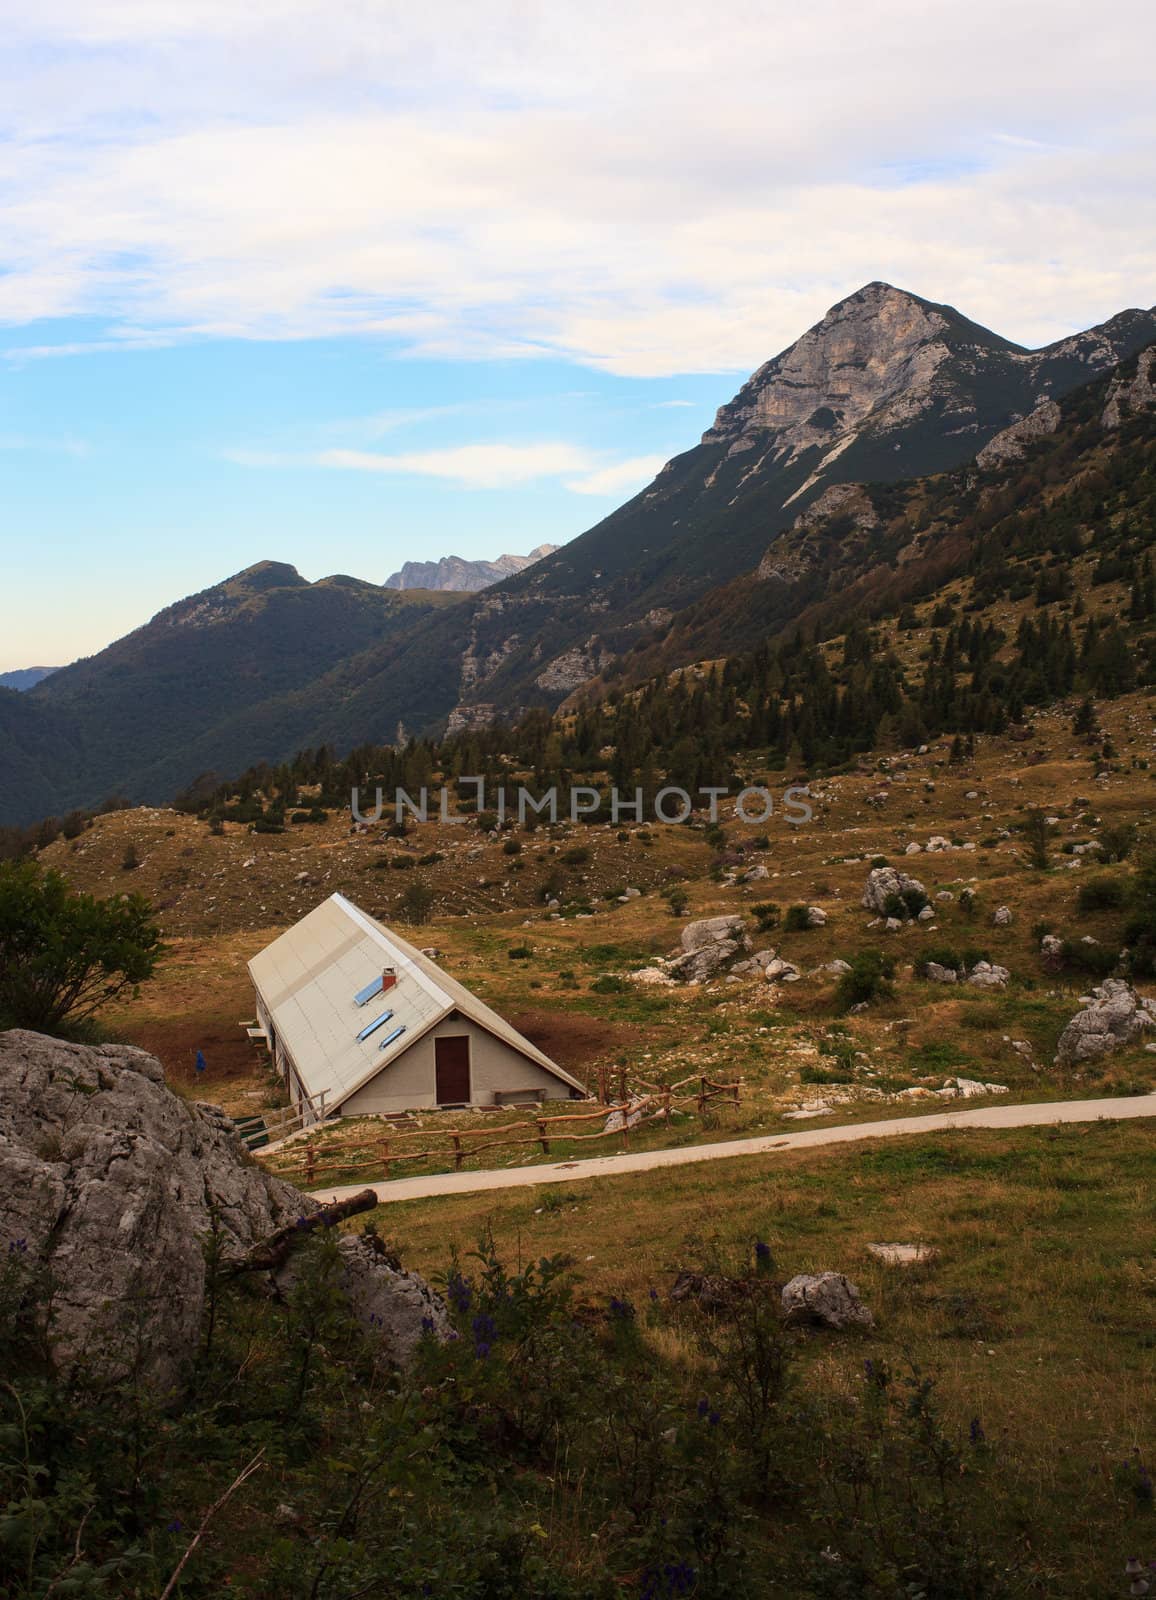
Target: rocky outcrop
(574, 667)
(708, 947)
(828, 1300)
(114, 1184)
(886, 885)
(1113, 1016)
(454, 574)
(986, 975)
(1012, 443)
(1131, 393)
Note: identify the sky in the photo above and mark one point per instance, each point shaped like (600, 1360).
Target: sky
(349, 282)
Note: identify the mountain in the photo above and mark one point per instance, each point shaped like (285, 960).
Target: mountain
(1074, 478)
(887, 386)
(25, 677)
(885, 390)
(456, 574)
(146, 715)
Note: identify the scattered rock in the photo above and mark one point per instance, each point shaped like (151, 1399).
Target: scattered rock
(630, 1118)
(882, 883)
(1114, 1015)
(902, 1255)
(1002, 917)
(816, 917)
(985, 975)
(827, 1301)
(940, 974)
(653, 975)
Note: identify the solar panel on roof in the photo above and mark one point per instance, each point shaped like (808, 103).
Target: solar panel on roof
(396, 1034)
(374, 1025)
(364, 995)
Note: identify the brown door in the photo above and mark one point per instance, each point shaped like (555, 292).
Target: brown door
(452, 1062)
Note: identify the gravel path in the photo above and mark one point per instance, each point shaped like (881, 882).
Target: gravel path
(993, 1116)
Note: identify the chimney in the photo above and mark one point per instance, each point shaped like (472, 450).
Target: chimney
(388, 979)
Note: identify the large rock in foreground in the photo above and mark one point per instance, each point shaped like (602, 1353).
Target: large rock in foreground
(1113, 1016)
(113, 1183)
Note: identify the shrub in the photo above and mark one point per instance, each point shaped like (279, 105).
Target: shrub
(430, 859)
(130, 861)
(403, 863)
(268, 825)
(608, 984)
(1095, 960)
(512, 847)
(64, 955)
(868, 979)
(914, 901)
(416, 903)
(1037, 837)
(678, 899)
(577, 856)
(519, 952)
(942, 956)
(1101, 894)
(1116, 842)
(766, 914)
(795, 920)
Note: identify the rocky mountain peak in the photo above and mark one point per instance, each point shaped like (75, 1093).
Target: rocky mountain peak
(881, 347)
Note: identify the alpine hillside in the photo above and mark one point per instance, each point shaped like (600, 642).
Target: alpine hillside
(733, 541)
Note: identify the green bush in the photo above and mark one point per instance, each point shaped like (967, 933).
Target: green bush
(1101, 894)
(942, 955)
(519, 952)
(1094, 960)
(795, 920)
(766, 914)
(416, 903)
(869, 979)
(609, 984)
(577, 856)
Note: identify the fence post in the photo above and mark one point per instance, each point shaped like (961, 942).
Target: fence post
(541, 1121)
(385, 1157)
(457, 1151)
(310, 1164)
(702, 1096)
(666, 1107)
(622, 1083)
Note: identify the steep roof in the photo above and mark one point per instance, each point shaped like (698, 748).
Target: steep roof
(310, 977)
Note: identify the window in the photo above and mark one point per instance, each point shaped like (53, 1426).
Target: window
(396, 1034)
(374, 1025)
(363, 996)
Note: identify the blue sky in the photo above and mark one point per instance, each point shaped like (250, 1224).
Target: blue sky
(351, 282)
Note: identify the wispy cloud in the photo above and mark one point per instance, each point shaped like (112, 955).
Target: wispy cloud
(476, 466)
(621, 477)
(447, 180)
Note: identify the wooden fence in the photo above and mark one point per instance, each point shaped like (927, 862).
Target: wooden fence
(383, 1152)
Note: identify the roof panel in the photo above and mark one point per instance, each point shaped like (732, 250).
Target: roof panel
(310, 979)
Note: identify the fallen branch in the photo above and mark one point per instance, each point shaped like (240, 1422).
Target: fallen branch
(269, 1254)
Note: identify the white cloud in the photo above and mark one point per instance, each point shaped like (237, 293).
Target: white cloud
(619, 478)
(477, 466)
(471, 181)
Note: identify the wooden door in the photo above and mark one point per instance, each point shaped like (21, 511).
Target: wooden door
(452, 1065)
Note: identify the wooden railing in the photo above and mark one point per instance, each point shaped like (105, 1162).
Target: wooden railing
(383, 1153)
(263, 1127)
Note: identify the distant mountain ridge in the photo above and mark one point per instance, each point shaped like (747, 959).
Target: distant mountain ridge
(459, 576)
(887, 388)
(25, 677)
